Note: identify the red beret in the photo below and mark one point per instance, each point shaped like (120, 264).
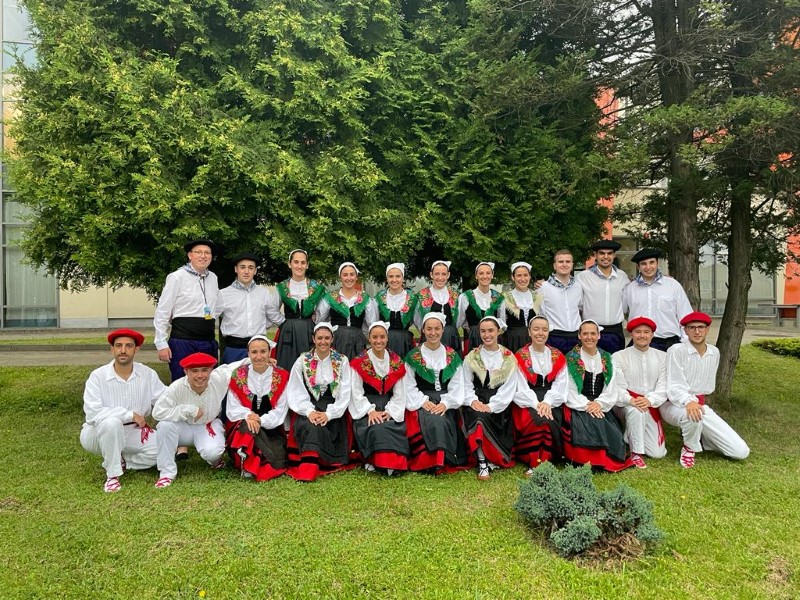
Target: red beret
(696, 316)
(634, 323)
(137, 337)
(198, 359)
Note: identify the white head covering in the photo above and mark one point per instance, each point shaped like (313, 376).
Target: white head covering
(384, 324)
(270, 343)
(435, 315)
(399, 266)
(491, 265)
(446, 263)
(520, 264)
(348, 264)
(297, 250)
(326, 325)
(499, 322)
(599, 328)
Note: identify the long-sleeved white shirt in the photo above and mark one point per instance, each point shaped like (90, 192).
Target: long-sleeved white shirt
(689, 374)
(179, 402)
(185, 294)
(642, 372)
(484, 301)
(561, 305)
(542, 363)
(440, 296)
(505, 392)
(436, 360)
(607, 398)
(109, 396)
(298, 396)
(248, 311)
(370, 310)
(602, 296)
(664, 301)
(525, 301)
(259, 384)
(360, 405)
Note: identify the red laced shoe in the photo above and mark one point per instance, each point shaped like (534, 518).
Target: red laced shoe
(687, 458)
(163, 482)
(112, 485)
(638, 461)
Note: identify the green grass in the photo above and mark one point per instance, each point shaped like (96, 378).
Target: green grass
(731, 527)
(781, 346)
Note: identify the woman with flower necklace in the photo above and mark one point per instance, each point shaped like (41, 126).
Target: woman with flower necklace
(318, 393)
(378, 404)
(256, 409)
(396, 305)
(351, 310)
(536, 411)
(591, 431)
(441, 298)
(299, 296)
(491, 379)
(434, 385)
(474, 305)
(520, 305)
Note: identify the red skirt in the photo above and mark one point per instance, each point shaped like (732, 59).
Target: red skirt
(307, 465)
(422, 459)
(536, 439)
(593, 453)
(261, 455)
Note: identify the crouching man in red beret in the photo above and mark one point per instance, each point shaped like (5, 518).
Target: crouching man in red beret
(691, 374)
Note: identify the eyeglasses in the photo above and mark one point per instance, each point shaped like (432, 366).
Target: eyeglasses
(696, 327)
(201, 253)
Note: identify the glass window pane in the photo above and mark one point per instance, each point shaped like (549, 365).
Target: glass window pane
(13, 51)
(16, 23)
(30, 296)
(13, 212)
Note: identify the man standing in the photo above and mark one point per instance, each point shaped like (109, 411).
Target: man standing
(187, 306)
(247, 309)
(188, 411)
(642, 382)
(658, 297)
(691, 373)
(117, 400)
(562, 296)
(602, 285)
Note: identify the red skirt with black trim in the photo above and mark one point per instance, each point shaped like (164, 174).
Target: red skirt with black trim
(307, 464)
(598, 442)
(423, 459)
(265, 451)
(536, 439)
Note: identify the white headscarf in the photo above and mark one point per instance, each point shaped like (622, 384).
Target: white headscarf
(348, 264)
(399, 266)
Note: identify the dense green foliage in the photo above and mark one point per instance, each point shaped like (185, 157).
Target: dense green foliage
(577, 516)
(367, 131)
(780, 346)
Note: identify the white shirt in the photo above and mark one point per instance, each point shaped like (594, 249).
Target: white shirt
(561, 305)
(483, 300)
(505, 393)
(664, 301)
(180, 402)
(298, 396)
(395, 302)
(642, 372)
(185, 294)
(109, 396)
(370, 310)
(260, 384)
(542, 363)
(607, 398)
(602, 296)
(436, 360)
(360, 406)
(298, 289)
(248, 311)
(525, 300)
(689, 374)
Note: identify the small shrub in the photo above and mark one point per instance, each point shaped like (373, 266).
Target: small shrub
(780, 346)
(579, 519)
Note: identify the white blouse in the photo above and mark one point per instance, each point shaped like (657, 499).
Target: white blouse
(360, 406)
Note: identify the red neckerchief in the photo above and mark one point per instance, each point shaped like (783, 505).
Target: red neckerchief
(363, 366)
(525, 361)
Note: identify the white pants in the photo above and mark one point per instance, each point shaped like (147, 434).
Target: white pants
(114, 441)
(172, 434)
(709, 433)
(641, 431)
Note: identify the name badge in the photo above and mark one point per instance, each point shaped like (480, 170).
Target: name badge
(207, 312)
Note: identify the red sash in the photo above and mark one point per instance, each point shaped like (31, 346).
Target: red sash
(656, 417)
(701, 398)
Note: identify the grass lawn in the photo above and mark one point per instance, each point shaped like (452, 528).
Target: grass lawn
(732, 528)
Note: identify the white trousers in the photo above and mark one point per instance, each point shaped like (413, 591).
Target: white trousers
(114, 441)
(172, 434)
(709, 433)
(641, 431)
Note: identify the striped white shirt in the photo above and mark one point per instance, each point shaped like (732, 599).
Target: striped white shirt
(689, 374)
(109, 396)
(642, 372)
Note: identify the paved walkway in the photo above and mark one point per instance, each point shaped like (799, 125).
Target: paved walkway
(25, 351)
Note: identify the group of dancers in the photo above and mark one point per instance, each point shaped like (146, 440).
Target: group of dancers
(345, 383)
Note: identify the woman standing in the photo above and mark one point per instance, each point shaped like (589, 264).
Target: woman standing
(299, 296)
(319, 389)
(440, 298)
(434, 384)
(591, 431)
(520, 305)
(491, 379)
(378, 404)
(474, 305)
(350, 310)
(396, 304)
(256, 408)
(537, 404)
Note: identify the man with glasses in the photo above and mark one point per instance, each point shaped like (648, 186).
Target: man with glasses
(184, 318)
(691, 373)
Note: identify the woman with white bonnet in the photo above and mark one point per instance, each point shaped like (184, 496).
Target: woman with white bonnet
(442, 298)
(520, 305)
(474, 305)
(397, 305)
